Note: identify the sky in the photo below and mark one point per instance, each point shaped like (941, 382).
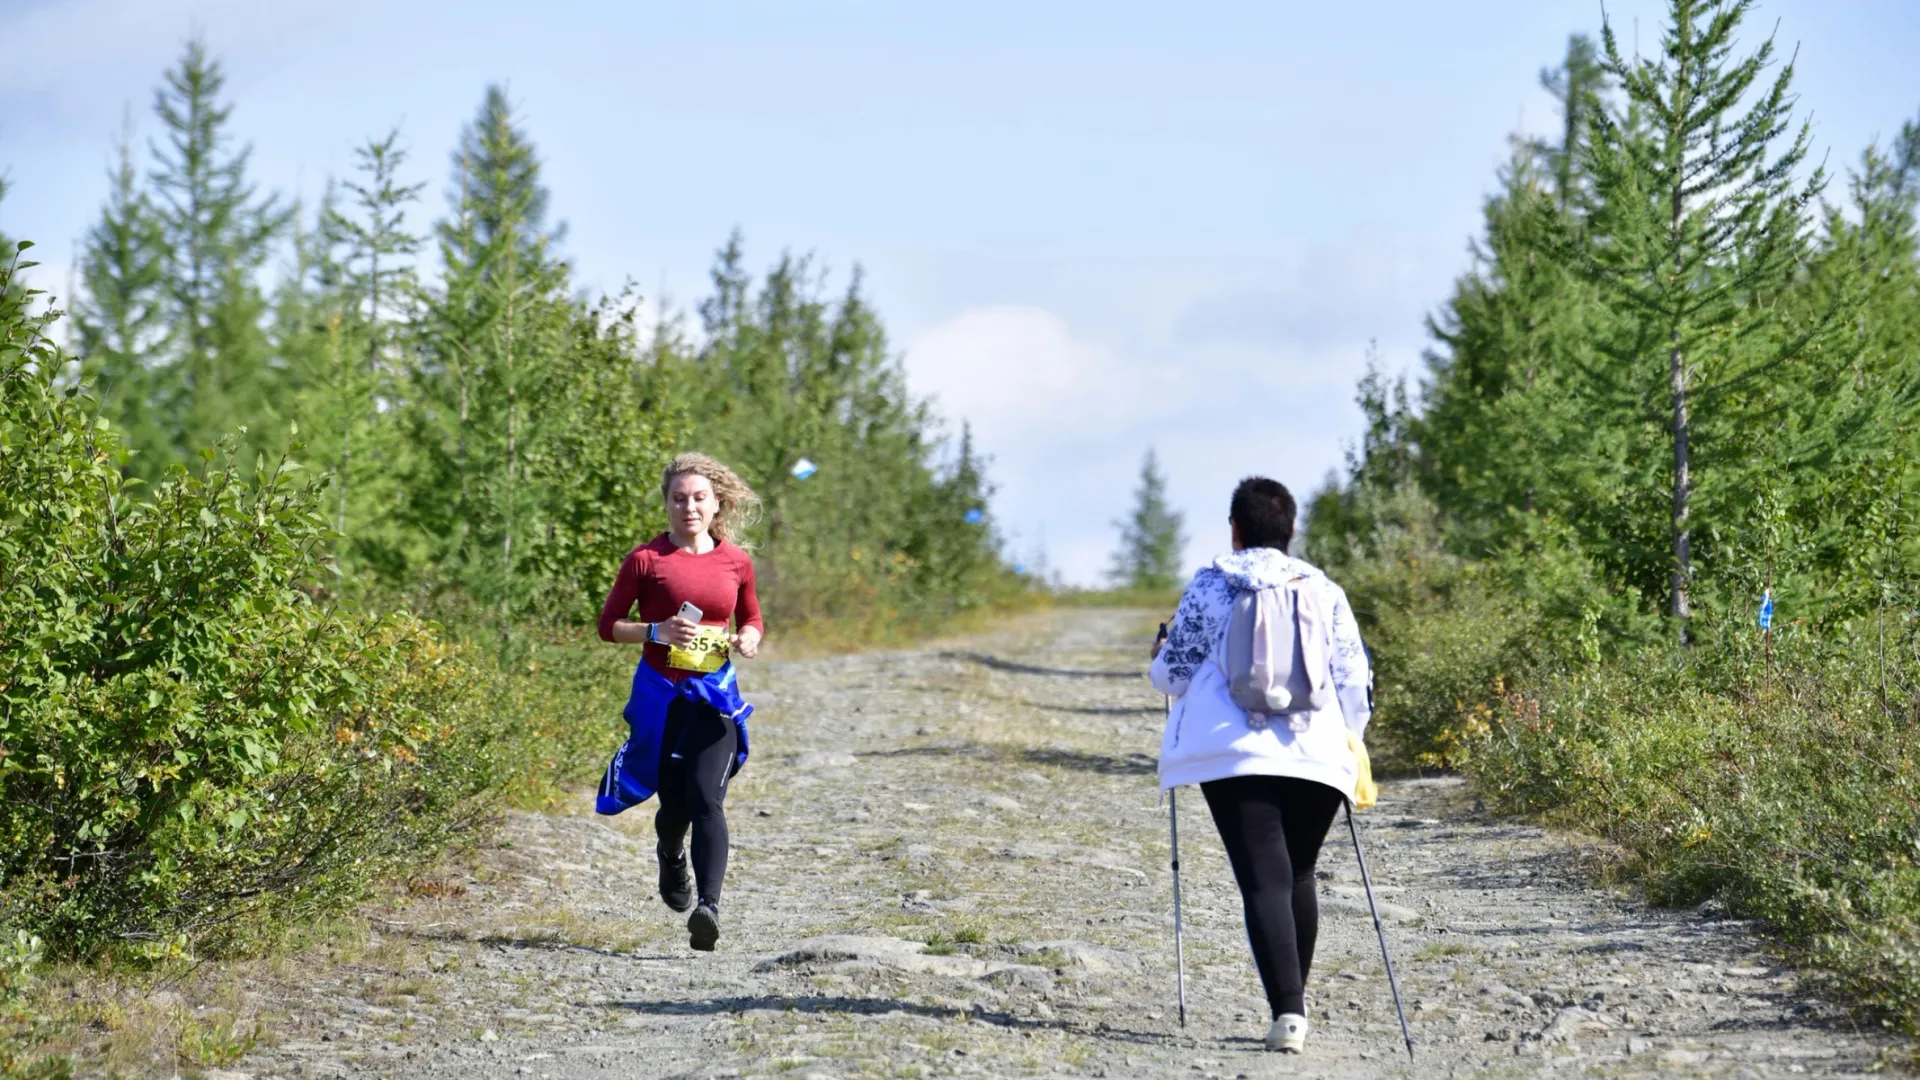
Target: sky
(1091, 228)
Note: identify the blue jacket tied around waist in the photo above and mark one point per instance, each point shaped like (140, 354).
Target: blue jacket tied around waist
(634, 773)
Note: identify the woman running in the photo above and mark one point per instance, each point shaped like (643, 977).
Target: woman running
(688, 724)
(1272, 784)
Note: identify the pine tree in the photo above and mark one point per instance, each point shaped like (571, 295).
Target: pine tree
(445, 380)
(1502, 440)
(217, 236)
(119, 318)
(502, 180)
(1868, 262)
(498, 331)
(1495, 400)
(1151, 539)
(1578, 84)
(1879, 245)
(521, 282)
(379, 282)
(1697, 227)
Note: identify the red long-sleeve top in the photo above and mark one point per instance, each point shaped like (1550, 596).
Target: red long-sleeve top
(660, 577)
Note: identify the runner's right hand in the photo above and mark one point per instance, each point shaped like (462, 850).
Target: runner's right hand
(678, 631)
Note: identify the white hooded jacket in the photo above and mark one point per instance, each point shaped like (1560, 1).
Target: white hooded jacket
(1207, 735)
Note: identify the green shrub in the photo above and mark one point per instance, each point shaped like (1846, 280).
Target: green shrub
(190, 744)
(1443, 636)
(1450, 635)
(1791, 794)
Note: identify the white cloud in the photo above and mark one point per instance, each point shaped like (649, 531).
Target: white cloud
(1066, 420)
(1233, 371)
(1058, 414)
(1016, 373)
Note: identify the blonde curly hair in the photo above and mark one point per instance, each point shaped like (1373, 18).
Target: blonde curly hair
(739, 506)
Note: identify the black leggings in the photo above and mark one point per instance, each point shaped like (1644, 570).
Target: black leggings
(1273, 827)
(696, 760)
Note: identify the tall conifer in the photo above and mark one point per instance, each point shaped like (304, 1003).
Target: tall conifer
(217, 235)
(497, 329)
(1151, 536)
(1697, 228)
(379, 284)
(119, 320)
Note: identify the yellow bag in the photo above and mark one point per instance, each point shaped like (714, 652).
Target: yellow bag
(1365, 791)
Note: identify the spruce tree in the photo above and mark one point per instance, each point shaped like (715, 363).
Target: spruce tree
(1500, 435)
(1578, 84)
(375, 246)
(445, 380)
(521, 284)
(119, 317)
(1503, 441)
(789, 370)
(1862, 499)
(1697, 228)
(501, 179)
(1151, 537)
(498, 329)
(217, 236)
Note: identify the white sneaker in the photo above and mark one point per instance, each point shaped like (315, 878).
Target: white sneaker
(1288, 1033)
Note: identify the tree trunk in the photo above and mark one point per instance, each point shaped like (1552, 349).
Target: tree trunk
(1676, 361)
(460, 452)
(460, 447)
(346, 428)
(513, 411)
(1682, 486)
(373, 337)
(465, 352)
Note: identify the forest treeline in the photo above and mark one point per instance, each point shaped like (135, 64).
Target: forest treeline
(489, 433)
(305, 510)
(1638, 550)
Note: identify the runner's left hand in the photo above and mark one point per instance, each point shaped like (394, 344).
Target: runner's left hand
(746, 642)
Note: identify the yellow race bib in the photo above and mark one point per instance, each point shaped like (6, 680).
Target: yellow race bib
(706, 652)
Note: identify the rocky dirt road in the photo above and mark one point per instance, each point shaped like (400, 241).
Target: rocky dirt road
(953, 861)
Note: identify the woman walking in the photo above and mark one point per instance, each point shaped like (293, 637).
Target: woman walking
(688, 725)
(1273, 782)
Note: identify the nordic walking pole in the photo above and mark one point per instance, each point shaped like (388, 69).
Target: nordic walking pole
(1179, 943)
(1377, 928)
(1173, 833)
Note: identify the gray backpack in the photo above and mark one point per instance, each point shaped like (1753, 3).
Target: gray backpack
(1276, 662)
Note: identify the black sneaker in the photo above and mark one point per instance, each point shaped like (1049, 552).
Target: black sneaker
(703, 927)
(676, 882)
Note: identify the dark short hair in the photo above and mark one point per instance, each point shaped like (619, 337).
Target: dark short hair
(1263, 511)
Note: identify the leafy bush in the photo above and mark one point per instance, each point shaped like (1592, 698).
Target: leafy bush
(1789, 793)
(1449, 635)
(190, 745)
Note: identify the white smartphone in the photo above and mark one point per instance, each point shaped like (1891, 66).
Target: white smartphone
(689, 612)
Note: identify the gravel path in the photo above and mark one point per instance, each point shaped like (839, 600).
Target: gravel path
(953, 861)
